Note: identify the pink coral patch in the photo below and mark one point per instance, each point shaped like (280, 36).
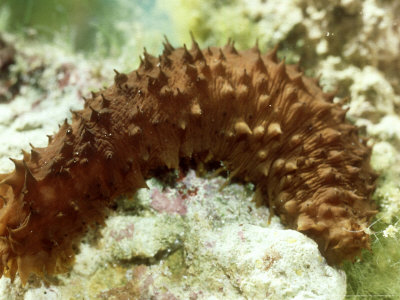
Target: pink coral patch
(124, 233)
(241, 236)
(162, 203)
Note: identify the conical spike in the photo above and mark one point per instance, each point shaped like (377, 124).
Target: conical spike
(191, 71)
(186, 55)
(119, 78)
(230, 47)
(165, 61)
(218, 67)
(15, 180)
(86, 134)
(147, 60)
(64, 126)
(95, 115)
(25, 154)
(194, 43)
(221, 55)
(147, 64)
(29, 178)
(76, 114)
(160, 77)
(167, 44)
(197, 54)
(19, 166)
(35, 155)
(228, 42)
(259, 64)
(261, 85)
(85, 100)
(145, 53)
(166, 50)
(256, 48)
(281, 69)
(141, 61)
(233, 49)
(271, 55)
(105, 102)
(244, 77)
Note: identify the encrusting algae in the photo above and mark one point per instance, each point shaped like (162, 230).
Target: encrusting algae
(267, 122)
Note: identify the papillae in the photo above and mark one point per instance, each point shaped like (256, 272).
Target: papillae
(267, 122)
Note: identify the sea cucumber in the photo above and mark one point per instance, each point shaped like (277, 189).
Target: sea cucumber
(264, 120)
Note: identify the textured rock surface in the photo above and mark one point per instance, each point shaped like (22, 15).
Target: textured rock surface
(128, 237)
(272, 263)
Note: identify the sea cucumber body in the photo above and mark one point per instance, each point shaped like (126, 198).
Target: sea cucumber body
(263, 119)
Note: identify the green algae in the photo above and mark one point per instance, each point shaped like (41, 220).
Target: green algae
(207, 21)
(175, 264)
(377, 274)
(108, 276)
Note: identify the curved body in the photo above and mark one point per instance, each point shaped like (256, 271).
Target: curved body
(263, 119)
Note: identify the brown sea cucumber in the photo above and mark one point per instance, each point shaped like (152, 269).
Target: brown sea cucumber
(267, 122)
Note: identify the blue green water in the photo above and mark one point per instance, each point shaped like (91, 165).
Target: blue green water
(81, 21)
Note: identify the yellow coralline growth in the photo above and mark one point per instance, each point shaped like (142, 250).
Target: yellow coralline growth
(266, 121)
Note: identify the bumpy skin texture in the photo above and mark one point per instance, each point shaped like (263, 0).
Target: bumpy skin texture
(263, 119)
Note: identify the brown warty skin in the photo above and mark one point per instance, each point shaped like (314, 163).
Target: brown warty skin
(264, 120)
